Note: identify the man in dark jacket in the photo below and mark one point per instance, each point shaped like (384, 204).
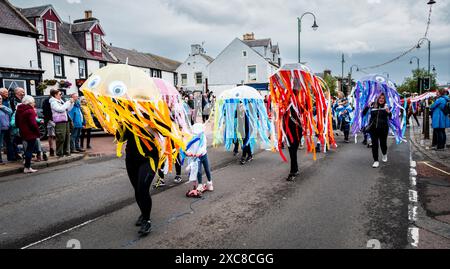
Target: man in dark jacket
(29, 129)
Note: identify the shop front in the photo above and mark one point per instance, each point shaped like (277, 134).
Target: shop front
(11, 78)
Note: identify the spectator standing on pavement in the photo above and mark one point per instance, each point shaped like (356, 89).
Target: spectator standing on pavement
(50, 125)
(440, 121)
(76, 115)
(5, 125)
(191, 104)
(89, 124)
(8, 138)
(61, 120)
(29, 129)
(19, 94)
(206, 107)
(379, 128)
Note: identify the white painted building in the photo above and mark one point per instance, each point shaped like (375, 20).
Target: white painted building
(249, 61)
(19, 65)
(193, 73)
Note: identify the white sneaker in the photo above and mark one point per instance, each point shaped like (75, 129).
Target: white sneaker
(29, 171)
(200, 188)
(385, 158)
(376, 164)
(209, 186)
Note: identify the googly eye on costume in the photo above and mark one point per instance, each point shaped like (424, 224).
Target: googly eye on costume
(94, 82)
(391, 85)
(117, 88)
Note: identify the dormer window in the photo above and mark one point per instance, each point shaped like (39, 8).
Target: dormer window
(97, 43)
(40, 28)
(88, 41)
(51, 31)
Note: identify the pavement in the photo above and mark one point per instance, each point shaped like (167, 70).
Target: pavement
(433, 189)
(103, 146)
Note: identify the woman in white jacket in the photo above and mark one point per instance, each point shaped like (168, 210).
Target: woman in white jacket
(61, 120)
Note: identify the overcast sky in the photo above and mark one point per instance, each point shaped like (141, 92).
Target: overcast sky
(368, 32)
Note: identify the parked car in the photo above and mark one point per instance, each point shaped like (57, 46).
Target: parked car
(40, 112)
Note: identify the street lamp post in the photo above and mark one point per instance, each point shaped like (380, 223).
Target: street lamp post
(418, 62)
(315, 26)
(350, 75)
(426, 122)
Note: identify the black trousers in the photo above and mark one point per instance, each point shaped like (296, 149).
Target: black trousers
(141, 176)
(441, 138)
(85, 133)
(178, 165)
(205, 118)
(293, 150)
(379, 139)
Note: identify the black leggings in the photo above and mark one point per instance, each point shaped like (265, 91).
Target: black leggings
(293, 150)
(380, 135)
(85, 133)
(141, 176)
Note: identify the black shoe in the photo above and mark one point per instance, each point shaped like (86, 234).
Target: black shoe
(346, 141)
(292, 177)
(89, 147)
(44, 156)
(364, 142)
(81, 150)
(139, 221)
(249, 159)
(146, 228)
(52, 153)
(242, 161)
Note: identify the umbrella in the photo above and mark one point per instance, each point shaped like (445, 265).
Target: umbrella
(243, 92)
(124, 98)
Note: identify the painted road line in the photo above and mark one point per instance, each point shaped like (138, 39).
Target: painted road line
(435, 168)
(61, 233)
(413, 197)
(414, 235)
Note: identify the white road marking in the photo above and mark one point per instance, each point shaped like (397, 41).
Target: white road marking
(414, 234)
(61, 233)
(440, 170)
(413, 181)
(412, 213)
(413, 196)
(413, 172)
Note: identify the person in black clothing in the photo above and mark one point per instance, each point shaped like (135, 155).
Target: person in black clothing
(247, 155)
(295, 128)
(379, 128)
(141, 176)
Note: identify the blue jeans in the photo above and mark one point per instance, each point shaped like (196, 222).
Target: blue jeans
(2, 134)
(203, 161)
(75, 139)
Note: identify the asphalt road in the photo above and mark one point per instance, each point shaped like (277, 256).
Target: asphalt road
(339, 201)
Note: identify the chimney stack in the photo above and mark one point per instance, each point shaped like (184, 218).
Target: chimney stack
(249, 36)
(88, 14)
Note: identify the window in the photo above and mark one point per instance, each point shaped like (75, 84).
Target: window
(40, 28)
(175, 80)
(11, 84)
(82, 68)
(51, 32)
(252, 73)
(156, 73)
(88, 41)
(198, 78)
(97, 43)
(183, 79)
(244, 53)
(58, 65)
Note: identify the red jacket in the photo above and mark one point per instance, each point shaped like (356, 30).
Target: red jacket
(26, 122)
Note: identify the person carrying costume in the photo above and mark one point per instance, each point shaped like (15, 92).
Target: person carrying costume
(344, 111)
(379, 128)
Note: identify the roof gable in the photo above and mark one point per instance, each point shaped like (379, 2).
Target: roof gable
(39, 11)
(87, 26)
(12, 20)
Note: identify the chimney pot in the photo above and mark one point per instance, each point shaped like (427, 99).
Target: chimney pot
(88, 14)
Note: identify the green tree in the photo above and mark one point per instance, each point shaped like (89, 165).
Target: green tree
(331, 83)
(411, 84)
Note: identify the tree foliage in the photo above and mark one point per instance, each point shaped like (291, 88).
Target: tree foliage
(332, 84)
(411, 84)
